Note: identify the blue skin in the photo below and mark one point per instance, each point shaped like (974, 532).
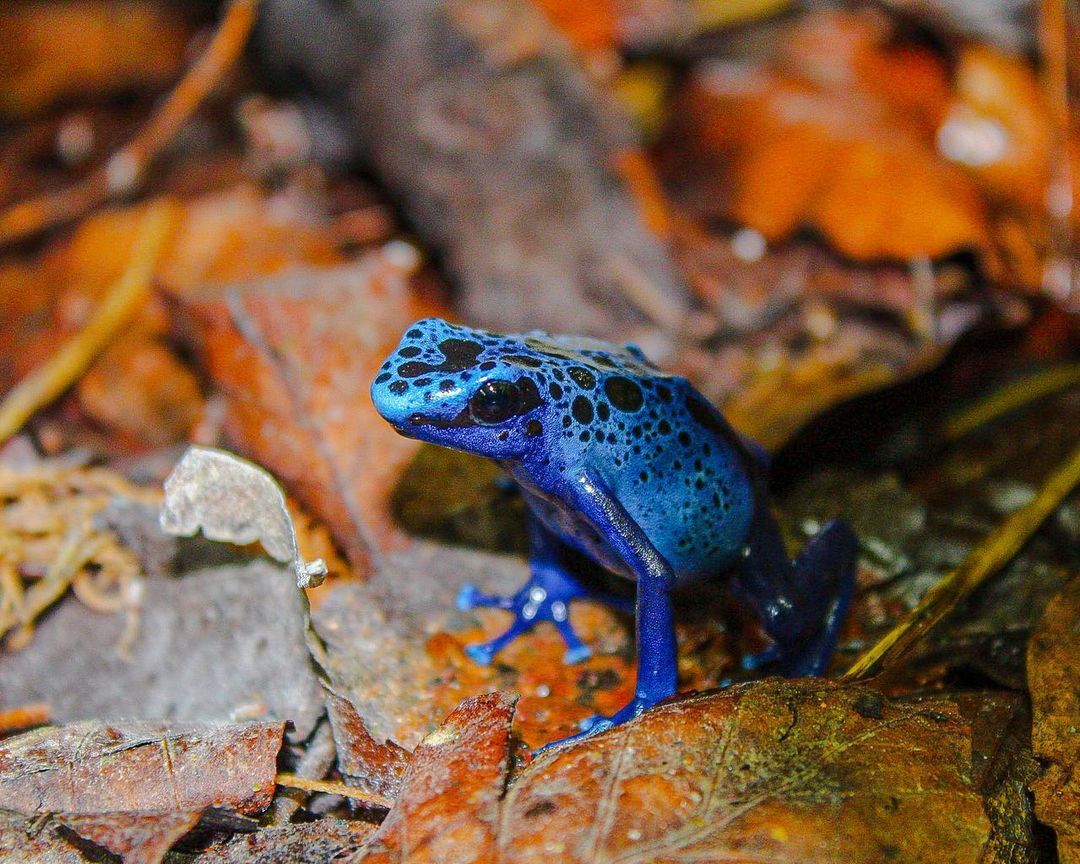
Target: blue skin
(633, 468)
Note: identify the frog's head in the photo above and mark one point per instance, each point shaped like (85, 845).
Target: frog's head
(462, 388)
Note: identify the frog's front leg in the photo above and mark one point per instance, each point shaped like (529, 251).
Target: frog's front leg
(802, 603)
(545, 597)
(655, 630)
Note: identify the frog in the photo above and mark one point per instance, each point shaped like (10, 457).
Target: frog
(631, 469)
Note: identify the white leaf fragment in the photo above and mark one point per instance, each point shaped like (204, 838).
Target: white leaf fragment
(233, 501)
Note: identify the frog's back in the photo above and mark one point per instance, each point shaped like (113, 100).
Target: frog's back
(578, 404)
(669, 457)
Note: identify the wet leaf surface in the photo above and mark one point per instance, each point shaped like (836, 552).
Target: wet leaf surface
(1053, 664)
(94, 767)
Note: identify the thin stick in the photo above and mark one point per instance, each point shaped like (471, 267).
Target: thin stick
(45, 383)
(372, 799)
(986, 558)
(125, 169)
(25, 716)
(1016, 395)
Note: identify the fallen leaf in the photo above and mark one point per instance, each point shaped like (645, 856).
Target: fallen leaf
(233, 501)
(319, 842)
(54, 52)
(140, 388)
(27, 841)
(362, 760)
(451, 790)
(1003, 768)
(138, 838)
(295, 356)
(777, 770)
(1054, 679)
(395, 649)
(835, 133)
(96, 767)
(214, 644)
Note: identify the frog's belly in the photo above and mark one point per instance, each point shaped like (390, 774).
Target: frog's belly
(696, 543)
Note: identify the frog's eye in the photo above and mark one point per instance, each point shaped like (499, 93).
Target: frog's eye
(494, 402)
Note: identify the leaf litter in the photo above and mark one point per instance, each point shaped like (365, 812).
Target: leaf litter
(264, 281)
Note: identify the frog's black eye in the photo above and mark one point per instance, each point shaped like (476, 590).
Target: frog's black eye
(494, 402)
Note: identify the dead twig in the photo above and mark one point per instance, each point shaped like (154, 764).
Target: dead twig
(23, 717)
(1011, 397)
(44, 384)
(371, 799)
(125, 169)
(986, 558)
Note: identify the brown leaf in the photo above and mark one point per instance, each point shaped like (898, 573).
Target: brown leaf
(319, 842)
(1054, 679)
(835, 133)
(800, 771)
(365, 762)
(138, 838)
(96, 768)
(450, 796)
(395, 649)
(295, 357)
(54, 51)
(28, 841)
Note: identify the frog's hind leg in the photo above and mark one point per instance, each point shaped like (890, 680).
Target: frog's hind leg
(545, 597)
(802, 603)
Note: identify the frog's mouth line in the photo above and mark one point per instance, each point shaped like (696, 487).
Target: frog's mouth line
(462, 420)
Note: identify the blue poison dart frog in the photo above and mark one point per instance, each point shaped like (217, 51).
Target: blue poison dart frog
(630, 466)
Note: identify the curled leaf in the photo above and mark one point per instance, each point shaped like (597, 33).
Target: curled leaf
(234, 501)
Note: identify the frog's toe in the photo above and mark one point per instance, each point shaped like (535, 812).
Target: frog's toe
(577, 654)
(466, 597)
(595, 724)
(598, 722)
(471, 597)
(576, 650)
(482, 653)
(753, 662)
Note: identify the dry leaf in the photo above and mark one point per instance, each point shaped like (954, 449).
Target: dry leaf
(295, 356)
(362, 760)
(233, 501)
(1054, 680)
(56, 51)
(837, 133)
(213, 645)
(138, 838)
(95, 767)
(799, 771)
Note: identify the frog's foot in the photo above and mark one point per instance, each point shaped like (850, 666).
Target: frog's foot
(600, 723)
(545, 597)
(830, 561)
(753, 662)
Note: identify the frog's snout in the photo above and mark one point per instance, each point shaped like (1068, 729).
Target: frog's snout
(390, 397)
